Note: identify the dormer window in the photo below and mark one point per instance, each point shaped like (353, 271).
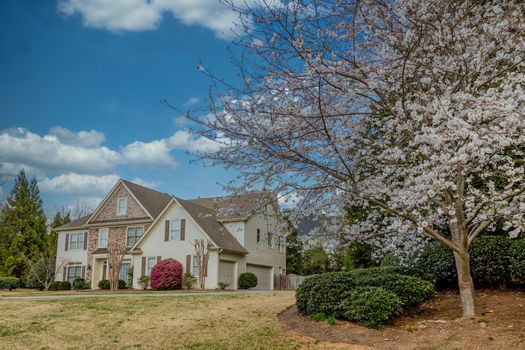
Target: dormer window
(121, 206)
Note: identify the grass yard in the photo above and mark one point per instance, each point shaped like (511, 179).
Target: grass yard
(26, 292)
(201, 322)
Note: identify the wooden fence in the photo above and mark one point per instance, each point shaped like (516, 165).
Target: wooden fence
(287, 282)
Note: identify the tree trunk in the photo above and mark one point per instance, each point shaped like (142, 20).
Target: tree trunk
(465, 283)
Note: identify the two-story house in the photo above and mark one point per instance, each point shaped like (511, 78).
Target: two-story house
(242, 230)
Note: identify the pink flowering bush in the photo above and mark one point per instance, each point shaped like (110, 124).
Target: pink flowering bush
(166, 275)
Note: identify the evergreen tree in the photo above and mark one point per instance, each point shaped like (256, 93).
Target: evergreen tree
(24, 229)
(294, 252)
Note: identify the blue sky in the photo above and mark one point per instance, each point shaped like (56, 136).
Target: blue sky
(80, 84)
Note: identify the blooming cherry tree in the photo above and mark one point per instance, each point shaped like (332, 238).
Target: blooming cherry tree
(412, 108)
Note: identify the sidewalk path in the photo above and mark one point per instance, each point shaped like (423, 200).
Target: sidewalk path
(145, 295)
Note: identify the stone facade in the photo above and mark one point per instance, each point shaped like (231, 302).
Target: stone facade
(109, 211)
(116, 235)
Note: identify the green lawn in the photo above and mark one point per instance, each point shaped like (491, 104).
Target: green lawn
(24, 292)
(204, 322)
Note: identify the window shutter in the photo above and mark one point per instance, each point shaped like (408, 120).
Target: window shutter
(159, 258)
(182, 229)
(104, 271)
(166, 230)
(67, 241)
(143, 270)
(83, 271)
(188, 263)
(85, 240)
(64, 276)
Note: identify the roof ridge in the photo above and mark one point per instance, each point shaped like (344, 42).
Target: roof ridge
(144, 187)
(229, 196)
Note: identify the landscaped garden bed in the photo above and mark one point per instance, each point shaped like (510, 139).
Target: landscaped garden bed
(435, 324)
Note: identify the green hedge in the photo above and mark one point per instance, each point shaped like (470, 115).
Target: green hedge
(9, 283)
(103, 284)
(489, 261)
(371, 306)
(438, 261)
(517, 260)
(402, 270)
(411, 290)
(80, 283)
(325, 293)
(59, 285)
(494, 261)
(247, 280)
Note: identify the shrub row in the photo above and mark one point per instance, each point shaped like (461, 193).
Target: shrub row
(9, 283)
(105, 284)
(59, 285)
(80, 283)
(370, 296)
(494, 261)
(247, 280)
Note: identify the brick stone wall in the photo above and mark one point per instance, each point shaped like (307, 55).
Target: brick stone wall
(117, 235)
(109, 211)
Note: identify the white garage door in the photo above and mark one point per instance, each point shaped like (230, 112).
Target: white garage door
(264, 276)
(227, 272)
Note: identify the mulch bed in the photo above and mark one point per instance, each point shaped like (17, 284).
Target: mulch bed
(437, 324)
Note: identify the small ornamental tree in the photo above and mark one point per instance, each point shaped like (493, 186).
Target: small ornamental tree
(166, 275)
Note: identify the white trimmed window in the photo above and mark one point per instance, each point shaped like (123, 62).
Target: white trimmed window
(103, 234)
(151, 263)
(74, 272)
(122, 205)
(280, 244)
(76, 241)
(124, 269)
(195, 269)
(270, 240)
(175, 230)
(133, 234)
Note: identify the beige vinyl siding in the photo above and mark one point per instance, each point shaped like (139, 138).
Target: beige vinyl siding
(154, 244)
(237, 230)
(71, 255)
(259, 253)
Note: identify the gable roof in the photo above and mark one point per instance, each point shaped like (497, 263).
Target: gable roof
(153, 201)
(207, 220)
(75, 224)
(238, 207)
(207, 212)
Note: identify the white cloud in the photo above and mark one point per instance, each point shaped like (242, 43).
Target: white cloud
(145, 183)
(192, 101)
(87, 168)
(73, 183)
(90, 139)
(184, 140)
(49, 152)
(154, 153)
(138, 15)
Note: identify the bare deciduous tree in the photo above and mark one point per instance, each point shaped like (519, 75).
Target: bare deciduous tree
(115, 256)
(202, 253)
(45, 269)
